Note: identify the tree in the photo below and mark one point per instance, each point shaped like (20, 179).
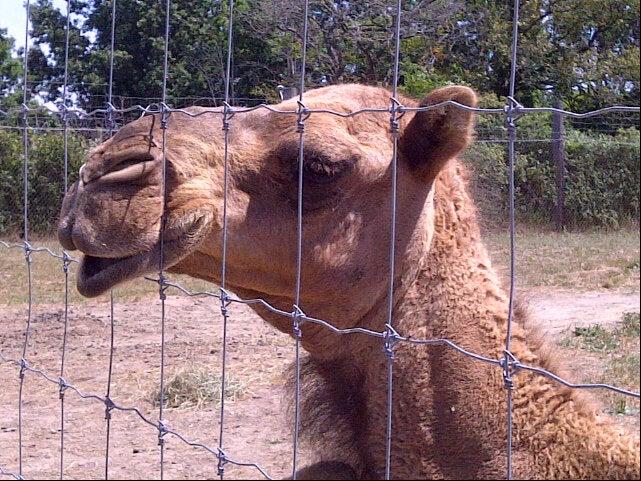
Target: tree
(197, 51)
(10, 72)
(584, 51)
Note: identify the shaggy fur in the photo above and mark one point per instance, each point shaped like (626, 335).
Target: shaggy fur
(449, 416)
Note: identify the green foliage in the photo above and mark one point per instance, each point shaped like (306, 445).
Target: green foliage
(602, 177)
(596, 338)
(584, 51)
(45, 175)
(417, 81)
(10, 95)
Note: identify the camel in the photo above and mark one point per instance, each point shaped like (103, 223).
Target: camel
(449, 416)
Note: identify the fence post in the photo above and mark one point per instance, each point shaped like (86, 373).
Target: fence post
(558, 156)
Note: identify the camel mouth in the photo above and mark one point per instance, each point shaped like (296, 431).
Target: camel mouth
(99, 274)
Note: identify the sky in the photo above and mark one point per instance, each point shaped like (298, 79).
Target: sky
(12, 17)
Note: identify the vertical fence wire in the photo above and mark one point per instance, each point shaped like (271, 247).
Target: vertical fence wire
(223, 275)
(27, 247)
(511, 112)
(64, 101)
(302, 116)
(162, 286)
(390, 333)
(108, 402)
(111, 127)
(65, 260)
(111, 65)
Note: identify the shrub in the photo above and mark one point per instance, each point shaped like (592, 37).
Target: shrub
(602, 177)
(45, 175)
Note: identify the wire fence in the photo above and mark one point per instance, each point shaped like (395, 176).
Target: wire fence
(110, 117)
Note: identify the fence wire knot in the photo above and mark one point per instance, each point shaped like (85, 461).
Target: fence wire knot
(109, 406)
(513, 111)
(225, 301)
(24, 367)
(162, 430)
(228, 114)
(298, 317)
(162, 287)
(303, 114)
(164, 115)
(27, 251)
(391, 338)
(510, 364)
(397, 112)
(66, 262)
(63, 386)
(222, 461)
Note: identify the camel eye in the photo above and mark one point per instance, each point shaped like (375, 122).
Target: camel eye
(321, 170)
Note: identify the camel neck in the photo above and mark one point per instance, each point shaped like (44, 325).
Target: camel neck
(458, 296)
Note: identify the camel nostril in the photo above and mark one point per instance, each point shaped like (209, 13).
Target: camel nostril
(129, 170)
(81, 175)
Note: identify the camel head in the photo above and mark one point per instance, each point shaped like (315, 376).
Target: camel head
(114, 213)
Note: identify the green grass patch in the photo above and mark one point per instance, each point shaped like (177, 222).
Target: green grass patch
(617, 350)
(596, 338)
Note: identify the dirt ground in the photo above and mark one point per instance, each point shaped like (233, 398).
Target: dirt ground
(257, 427)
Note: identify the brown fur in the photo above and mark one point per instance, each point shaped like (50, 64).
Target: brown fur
(449, 416)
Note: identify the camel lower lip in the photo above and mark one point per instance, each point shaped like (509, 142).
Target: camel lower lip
(99, 274)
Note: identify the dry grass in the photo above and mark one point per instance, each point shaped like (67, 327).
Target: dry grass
(49, 283)
(197, 386)
(581, 261)
(578, 261)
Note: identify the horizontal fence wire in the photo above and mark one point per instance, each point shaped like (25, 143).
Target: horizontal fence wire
(515, 365)
(31, 119)
(26, 367)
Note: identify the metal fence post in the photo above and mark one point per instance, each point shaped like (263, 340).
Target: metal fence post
(558, 156)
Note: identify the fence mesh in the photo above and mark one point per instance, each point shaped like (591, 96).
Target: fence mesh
(101, 123)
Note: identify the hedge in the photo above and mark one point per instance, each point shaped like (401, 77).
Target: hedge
(46, 178)
(602, 177)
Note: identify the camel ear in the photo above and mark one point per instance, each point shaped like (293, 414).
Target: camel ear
(435, 136)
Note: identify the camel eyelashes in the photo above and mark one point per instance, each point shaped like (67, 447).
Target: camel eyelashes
(318, 168)
(322, 171)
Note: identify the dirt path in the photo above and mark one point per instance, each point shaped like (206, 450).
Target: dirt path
(257, 428)
(558, 311)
